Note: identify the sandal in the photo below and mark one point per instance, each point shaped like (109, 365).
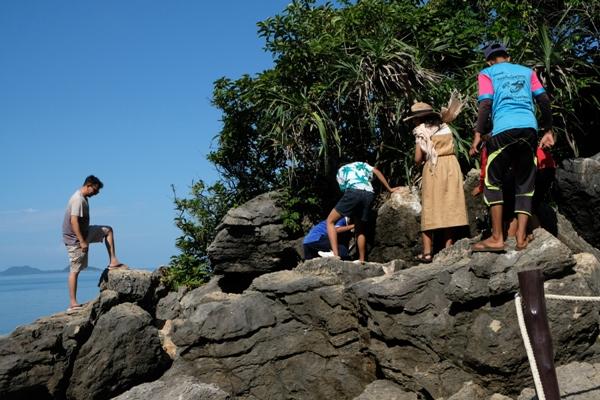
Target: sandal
(424, 258)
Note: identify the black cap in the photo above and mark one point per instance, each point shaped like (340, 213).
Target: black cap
(493, 48)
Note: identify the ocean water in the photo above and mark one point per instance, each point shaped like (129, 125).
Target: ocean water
(25, 298)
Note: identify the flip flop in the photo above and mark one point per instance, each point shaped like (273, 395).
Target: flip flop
(487, 249)
(424, 258)
(118, 266)
(75, 308)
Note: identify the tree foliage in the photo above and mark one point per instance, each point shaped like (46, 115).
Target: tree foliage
(345, 74)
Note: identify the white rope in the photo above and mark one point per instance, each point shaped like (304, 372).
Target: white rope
(528, 348)
(572, 298)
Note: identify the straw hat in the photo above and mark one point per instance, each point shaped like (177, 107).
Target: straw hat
(420, 110)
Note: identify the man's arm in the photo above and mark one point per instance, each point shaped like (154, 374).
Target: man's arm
(77, 229)
(484, 109)
(543, 102)
(475, 144)
(541, 97)
(344, 228)
(384, 182)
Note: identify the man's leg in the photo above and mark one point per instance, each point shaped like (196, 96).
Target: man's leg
(511, 231)
(78, 259)
(525, 173)
(97, 234)
(361, 240)
(522, 239)
(109, 241)
(496, 241)
(73, 288)
(331, 232)
(498, 164)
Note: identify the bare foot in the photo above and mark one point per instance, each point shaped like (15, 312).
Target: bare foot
(117, 266)
(522, 244)
(488, 245)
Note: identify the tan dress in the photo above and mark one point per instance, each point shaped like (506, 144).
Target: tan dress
(442, 194)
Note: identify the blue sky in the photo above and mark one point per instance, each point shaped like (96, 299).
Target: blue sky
(120, 89)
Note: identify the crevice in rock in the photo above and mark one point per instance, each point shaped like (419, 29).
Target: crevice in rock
(35, 392)
(238, 282)
(426, 395)
(458, 308)
(82, 337)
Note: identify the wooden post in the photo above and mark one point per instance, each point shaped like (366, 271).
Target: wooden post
(531, 284)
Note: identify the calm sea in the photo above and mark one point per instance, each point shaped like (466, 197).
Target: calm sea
(25, 298)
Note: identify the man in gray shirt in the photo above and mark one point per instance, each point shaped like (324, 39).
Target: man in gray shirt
(78, 234)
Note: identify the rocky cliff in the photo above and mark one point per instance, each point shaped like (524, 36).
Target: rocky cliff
(321, 329)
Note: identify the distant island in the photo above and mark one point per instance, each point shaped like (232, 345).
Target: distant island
(27, 270)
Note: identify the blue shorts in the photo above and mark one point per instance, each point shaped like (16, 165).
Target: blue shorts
(355, 204)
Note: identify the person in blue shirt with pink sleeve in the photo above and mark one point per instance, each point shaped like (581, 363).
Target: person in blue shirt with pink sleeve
(507, 92)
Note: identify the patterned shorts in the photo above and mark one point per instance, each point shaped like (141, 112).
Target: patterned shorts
(79, 258)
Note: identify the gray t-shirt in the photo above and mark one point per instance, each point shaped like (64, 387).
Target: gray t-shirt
(78, 206)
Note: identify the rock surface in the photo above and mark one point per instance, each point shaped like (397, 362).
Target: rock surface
(179, 388)
(382, 389)
(398, 227)
(578, 196)
(252, 239)
(326, 329)
(576, 381)
(123, 350)
(105, 348)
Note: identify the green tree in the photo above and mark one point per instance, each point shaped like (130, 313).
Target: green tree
(345, 74)
(197, 218)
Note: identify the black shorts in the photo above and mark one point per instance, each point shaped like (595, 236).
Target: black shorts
(511, 151)
(355, 203)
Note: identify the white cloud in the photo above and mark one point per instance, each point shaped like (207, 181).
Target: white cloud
(23, 211)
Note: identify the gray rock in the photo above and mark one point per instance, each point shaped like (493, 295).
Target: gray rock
(476, 208)
(398, 227)
(327, 329)
(419, 321)
(133, 286)
(252, 239)
(35, 359)
(123, 350)
(179, 388)
(292, 334)
(209, 292)
(346, 272)
(578, 196)
(556, 223)
(576, 381)
(470, 391)
(385, 390)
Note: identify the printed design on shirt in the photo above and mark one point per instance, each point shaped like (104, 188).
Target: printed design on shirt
(355, 176)
(514, 87)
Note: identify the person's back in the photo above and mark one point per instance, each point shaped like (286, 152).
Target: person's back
(507, 92)
(356, 176)
(512, 89)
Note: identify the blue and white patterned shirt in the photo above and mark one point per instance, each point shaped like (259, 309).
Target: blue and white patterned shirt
(356, 175)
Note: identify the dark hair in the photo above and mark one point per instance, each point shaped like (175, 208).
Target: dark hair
(432, 119)
(497, 54)
(92, 180)
(494, 51)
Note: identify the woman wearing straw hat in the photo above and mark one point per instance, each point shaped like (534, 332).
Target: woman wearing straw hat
(442, 194)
